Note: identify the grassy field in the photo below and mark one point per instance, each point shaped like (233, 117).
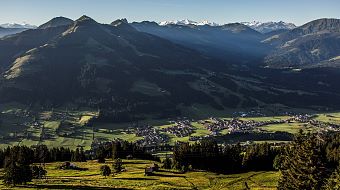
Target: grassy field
(285, 127)
(329, 117)
(133, 178)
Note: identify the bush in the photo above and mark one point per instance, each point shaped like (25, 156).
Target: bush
(118, 165)
(167, 163)
(101, 160)
(105, 170)
(38, 172)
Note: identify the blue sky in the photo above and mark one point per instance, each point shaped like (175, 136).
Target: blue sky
(220, 11)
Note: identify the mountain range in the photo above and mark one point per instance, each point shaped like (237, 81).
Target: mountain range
(263, 27)
(188, 22)
(226, 42)
(13, 28)
(133, 70)
(15, 25)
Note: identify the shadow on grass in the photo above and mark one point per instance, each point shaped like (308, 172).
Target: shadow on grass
(165, 175)
(135, 163)
(71, 187)
(171, 171)
(136, 178)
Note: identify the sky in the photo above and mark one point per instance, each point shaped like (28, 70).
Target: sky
(221, 11)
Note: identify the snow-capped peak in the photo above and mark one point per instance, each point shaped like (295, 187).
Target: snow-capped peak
(269, 26)
(188, 22)
(15, 25)
(253, 23)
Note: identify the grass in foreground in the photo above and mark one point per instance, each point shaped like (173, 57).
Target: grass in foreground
(133, 178)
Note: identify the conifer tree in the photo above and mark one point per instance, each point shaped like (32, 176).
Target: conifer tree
(76, 156)
(16, 172)
(82, 155)
(303, 165)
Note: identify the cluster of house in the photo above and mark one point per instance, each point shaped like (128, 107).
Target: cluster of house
(237, 125)
(324, 126)
(151, 136)
(301, 118)
(181, 129)
(146, 130)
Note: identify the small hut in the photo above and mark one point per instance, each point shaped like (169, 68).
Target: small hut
(151, 169)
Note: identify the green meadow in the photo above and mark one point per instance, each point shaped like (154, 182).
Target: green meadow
(133, 178)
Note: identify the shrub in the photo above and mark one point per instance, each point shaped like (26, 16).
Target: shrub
(105, 170)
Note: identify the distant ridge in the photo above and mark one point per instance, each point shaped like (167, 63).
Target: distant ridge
(263, 27)
(18, 26)
(188, 22)
(266, 27)
(309, 45)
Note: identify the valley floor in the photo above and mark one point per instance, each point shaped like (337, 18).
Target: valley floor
(69, 128)
(133, 178)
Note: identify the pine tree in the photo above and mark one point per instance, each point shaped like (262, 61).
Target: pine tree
(76, 156)
(12, 173)
(16, 172)
(114, 150)
(100, 154)
(303, 165)
(82, 155)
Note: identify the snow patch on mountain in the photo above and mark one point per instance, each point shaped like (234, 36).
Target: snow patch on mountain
(15, 25)
(188, 22)
(265, 27)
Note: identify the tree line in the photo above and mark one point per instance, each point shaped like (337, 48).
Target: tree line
(22, 164)
(208, 155)
(41, 154)
(122, 149)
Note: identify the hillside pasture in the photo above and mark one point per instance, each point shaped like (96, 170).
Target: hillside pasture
(133, 178)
